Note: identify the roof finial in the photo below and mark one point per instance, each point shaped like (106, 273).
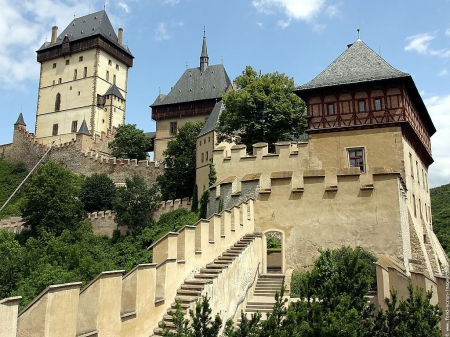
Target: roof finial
(159, 89)
(204, 59)
(186, 65)
(359, 38)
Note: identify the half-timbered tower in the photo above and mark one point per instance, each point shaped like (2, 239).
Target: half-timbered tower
(192, 99)
(364, 113)
(84, 74)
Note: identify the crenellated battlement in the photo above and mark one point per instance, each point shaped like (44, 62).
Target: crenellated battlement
(114, 304)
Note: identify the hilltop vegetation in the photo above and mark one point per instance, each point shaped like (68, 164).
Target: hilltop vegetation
(60, 246)
(11, 175)
(440, 209)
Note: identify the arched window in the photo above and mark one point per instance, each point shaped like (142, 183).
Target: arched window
(58, 102)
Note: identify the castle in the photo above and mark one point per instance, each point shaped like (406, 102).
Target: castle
(358, 178)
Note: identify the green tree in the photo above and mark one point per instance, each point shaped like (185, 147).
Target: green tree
(178, 179)
(194, 205)
(263, 109)
(51, 200)
(440, 197)
(130, 142)
(12, 261)
(98, 192)
(135, 203)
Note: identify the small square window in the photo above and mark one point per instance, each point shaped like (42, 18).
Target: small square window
(74, 126)
(377, 103)
(362, 106)
(173, 128)
(109, 62)
(59, 80)
(54, 65)
(330, 109)
(55, 130)
(356, 158)
(80, 58)
(67, 62)
(117, 66)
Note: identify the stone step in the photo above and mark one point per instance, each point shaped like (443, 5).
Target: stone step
(197, 281)
(230, 254)
(183, 305)
(210, 271)
(205, 276)
(189, 292)
(216, 265)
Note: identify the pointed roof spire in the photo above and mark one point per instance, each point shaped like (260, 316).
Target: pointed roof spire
(83, 129)
(204, 59)
(20, 120)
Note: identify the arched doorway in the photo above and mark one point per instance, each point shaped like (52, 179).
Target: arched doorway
(273, 246)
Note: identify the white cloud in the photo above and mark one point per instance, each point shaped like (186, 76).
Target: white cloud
(443, 72)
(171, 2)
(124, 6)
(259, 24)
(161, 32)
(447, 32)
(439, 109)
(284, 23)
(24, 27)
(419, 42)
(294, 9)
(334, 10)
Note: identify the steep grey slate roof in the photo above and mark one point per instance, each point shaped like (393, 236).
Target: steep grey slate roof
(151, 134)
(114, 90)
(195, 85)
(357, 64)
(159, 100)
(89, 25)
(213, 118)
(20, 120)
(83, 129)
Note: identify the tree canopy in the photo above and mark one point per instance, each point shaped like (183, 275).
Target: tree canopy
(440, 203)
(262, 109)
(178, 179)
(135, 203)
(98, 192)
(51, 202)
(130, 142)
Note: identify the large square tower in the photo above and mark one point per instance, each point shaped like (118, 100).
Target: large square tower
(84, 74)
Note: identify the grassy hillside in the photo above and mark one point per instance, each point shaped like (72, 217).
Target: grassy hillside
(440, 203)
(11, 175)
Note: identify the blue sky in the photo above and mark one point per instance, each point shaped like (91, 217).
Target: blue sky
(297, 37)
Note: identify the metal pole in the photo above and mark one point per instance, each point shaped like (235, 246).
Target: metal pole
(29, 174)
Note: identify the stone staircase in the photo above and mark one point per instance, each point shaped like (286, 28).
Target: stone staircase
(191, 290)
(263, 297)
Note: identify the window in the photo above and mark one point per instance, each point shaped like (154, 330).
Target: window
(117, 66)
(54, 65)
(411, 165)
(107, 75)
(53, 82)
(67, 62)
(415, 206)
(206, 156)
(362, 106)
(75, 74)
(85, 72)
(203, 157)
(55, 130)
(80, 59)
(74, 126)
(59, 80)
(114, 79)
(58, 102)
(330, 109)
(377, 103)
(417, 168)
(173, 128)
(356, 158)
(109, 62)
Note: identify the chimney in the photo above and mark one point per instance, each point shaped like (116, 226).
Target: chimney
(120, 34)
(54, 34)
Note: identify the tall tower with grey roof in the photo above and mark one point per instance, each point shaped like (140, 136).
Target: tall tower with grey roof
(191, 99)
(84, 74)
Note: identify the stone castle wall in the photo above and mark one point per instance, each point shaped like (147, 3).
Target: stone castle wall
(114, 304)
(77, 157)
